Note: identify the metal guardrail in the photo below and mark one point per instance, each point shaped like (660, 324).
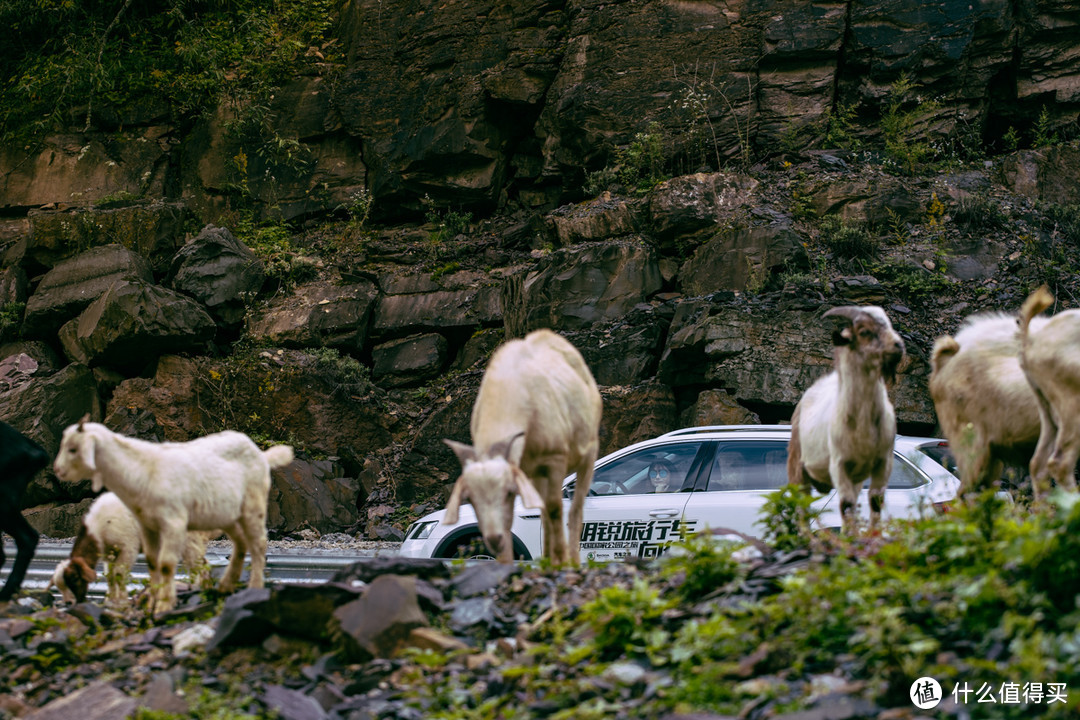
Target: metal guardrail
(284, 567)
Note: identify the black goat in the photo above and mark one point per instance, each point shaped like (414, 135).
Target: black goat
(20, 459)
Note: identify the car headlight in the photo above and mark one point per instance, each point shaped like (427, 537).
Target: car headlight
(421, 530)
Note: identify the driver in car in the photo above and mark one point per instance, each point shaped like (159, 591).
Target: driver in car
(661, 475)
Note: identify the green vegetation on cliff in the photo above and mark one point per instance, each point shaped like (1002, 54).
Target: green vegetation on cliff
(67, 63)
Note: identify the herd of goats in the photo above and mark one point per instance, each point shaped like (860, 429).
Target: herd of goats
(1005, 387)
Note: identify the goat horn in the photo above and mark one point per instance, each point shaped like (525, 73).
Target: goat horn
(83, 421)
(849, 312)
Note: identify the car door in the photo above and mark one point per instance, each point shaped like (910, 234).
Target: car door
(732, 491)
(624, 515)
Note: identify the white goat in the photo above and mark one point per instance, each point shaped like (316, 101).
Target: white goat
(536, 417)
(1049, 357)
(985, 406)
(110, 531)
(844, 427)
(220, 481)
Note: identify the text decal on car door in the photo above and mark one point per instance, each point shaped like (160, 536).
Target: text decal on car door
(620, 538)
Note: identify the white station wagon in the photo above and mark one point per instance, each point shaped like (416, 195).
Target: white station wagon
(643, 496)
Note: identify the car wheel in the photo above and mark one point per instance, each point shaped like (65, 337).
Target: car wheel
(472, 547)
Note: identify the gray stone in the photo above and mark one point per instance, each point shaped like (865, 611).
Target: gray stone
(691, 203)
(292, 704)
(134, 322)
(466, 307)
(742, 259)
(471, 612)
(73, 284)
(482, 577)
(219, 271)
(311, 494)
(317, 314)
(573, 288)
(379, 622)
(97, 701)
(409, 361)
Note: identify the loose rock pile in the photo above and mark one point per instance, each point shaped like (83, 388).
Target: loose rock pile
(371, 643)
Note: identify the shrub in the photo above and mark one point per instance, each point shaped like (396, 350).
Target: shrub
(848, 241)
(979, 212)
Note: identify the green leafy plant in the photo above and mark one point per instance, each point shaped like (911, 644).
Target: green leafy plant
(359, 207)
(905, 111)
(69, 56)
(11, 315)
(848, 241)
(641, 163)
(840, 128)
(978, 212)
(787, 515)
(1043, 134)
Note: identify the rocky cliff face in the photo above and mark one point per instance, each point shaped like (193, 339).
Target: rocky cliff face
(694, 300)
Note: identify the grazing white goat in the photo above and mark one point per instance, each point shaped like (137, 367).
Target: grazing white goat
(984, 403)
(220, 481)
(1050, 357)
(844, 426)
(536, 417)
(110, 531)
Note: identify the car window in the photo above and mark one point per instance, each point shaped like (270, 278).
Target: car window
(762, 465)
(749, 465)
(661, 468)
(904, 475)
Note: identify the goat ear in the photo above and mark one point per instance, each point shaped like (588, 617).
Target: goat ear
(845, 319)
(505, 448)
(465, 453)
(530, 498)
(88, 573)
(451, 516)
(86, 454)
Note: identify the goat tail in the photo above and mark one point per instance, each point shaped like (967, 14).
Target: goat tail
(944, 348)
(279, 455)
(1036, 302)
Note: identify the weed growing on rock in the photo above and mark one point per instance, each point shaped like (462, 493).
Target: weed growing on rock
(848, 241)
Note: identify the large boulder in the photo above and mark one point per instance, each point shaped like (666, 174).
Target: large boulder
(1046, 174)
(602, 218)
(635, 413)
(312, 495)
(134, 322)
(73, 284)
(409, 361)
(82, 168)
(688, 204)
(219, 271)
(742, 258)
(770, 357)
(317, 314)
(574, 287)
(41, 408)
(154, 230)
(437, 310)
(171, 397)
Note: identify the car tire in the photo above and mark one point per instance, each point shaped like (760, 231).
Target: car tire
(472, 547)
